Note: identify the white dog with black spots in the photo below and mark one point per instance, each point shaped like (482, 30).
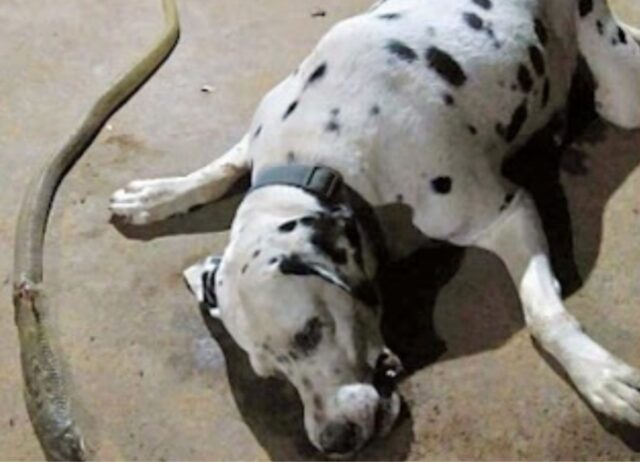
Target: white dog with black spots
(416, 102)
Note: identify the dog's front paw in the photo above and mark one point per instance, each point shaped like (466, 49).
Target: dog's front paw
(146, 201)
(611, 387)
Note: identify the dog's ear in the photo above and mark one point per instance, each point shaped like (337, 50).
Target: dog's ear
(361, 289)
(201, 279)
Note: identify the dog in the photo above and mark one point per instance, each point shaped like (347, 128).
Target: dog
(413, 102)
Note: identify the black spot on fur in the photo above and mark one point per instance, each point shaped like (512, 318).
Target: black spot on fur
(486, 4)
(546, 92)
(507, 200)
(291, 157)
(375, 110)
(338, 255)
(288, 226)
(353, 237)
(245, 268)
(273, 260)
(442, 185)
(537, 59)
(518, 119)
(622, 36)
(446, 66)
(524, 78)
(332, 126)
(307, 340)
(492, 35)
(316, 75)
(402, 51)
(390, 16)
(400, 198)
(257, 132)
(585, 7)
(255, 254)
(600, 27)
(473, 20)
(308, 220)
(448, 99)
(473, 130)
(541, 31)
(327, 230)
(292, 107)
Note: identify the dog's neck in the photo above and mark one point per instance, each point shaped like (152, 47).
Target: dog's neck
(271, 206)
(265, 209)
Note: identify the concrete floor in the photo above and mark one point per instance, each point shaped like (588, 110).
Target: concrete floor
(152, 381)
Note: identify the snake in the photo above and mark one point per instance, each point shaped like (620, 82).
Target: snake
(46, 390)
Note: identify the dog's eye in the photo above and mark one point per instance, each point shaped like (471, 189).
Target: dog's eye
(287, 227)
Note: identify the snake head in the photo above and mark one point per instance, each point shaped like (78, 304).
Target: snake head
(69, 445)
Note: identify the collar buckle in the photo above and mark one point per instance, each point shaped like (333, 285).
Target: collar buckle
(323, 181)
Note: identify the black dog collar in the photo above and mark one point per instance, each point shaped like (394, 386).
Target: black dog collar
(320, 181)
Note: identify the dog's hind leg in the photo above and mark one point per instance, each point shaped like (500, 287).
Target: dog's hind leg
(146, 201)
(611, 386)
(612, 51)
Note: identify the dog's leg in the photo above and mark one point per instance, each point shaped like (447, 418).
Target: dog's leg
(612, 51)
(146, 201)
(608, 384)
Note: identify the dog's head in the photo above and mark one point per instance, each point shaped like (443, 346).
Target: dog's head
(295, 291)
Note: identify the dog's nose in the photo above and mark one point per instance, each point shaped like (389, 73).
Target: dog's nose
(339, 438)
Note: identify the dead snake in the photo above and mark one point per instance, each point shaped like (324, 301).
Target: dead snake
(46, 394)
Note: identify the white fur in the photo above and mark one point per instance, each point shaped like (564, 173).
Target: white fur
(398, 150)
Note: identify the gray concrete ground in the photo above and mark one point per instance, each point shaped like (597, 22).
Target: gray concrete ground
(152, 381)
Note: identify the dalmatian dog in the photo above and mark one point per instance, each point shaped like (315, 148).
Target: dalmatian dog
(414, 102)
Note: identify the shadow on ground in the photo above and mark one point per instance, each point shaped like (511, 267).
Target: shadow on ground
(411, 287)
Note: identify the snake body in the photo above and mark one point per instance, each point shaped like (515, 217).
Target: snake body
(46, 394)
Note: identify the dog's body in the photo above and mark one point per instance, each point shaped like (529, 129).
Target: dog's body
(480, 98)
(414, 102)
